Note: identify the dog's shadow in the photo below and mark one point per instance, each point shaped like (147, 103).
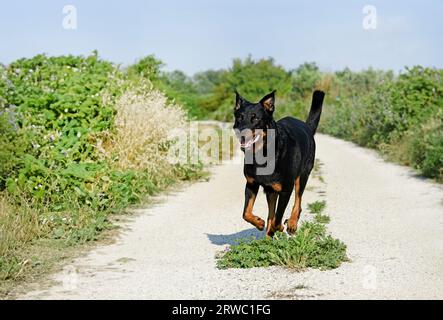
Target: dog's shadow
(233, 238)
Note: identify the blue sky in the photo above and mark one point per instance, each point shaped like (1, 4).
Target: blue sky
(207, 34)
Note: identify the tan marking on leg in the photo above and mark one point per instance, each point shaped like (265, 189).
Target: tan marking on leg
(296, 209)
(251, 218)
(272, 201)
(250, 180)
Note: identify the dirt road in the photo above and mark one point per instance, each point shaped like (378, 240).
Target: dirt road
(391, 221)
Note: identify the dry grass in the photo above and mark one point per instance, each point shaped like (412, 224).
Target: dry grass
(144, 125)
(326, 83)
(19, 225)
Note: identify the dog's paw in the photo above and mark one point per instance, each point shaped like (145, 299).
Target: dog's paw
(259, 223)
(272, 229)
(291, 226)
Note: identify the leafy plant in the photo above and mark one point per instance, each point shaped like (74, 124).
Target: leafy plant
(56, 183)
(322, 218)
(393, 115)
(311, 247)
(317, 206)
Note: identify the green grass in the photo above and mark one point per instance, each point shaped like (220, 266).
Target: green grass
(317, 206)
(322, 218)
(311, 247)
(317, 209)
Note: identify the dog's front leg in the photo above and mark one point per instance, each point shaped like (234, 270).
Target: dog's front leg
(251, 191)
(272, 197)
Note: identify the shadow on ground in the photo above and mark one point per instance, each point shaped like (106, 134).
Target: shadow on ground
(233, 238)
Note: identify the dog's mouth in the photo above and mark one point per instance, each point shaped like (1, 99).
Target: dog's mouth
(246, 143)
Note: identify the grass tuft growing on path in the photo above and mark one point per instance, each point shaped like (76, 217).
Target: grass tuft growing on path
(311, 247)
(317, 209)
(317, 206)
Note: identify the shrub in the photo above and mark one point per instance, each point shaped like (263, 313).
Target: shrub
(400, 117)
(58, 108)
(143, 121)
(304, 80)
(395, 107)
(253, 79)
(425, 151)
(13, 146)
(54, 181)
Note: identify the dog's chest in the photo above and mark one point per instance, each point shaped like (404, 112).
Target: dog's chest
(263, 180)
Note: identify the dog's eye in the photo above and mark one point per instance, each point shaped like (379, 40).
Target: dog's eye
(253, 117)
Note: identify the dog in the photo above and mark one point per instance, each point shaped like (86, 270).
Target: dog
(294, 154)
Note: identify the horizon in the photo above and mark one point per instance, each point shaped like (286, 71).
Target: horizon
(199, 36)
(227, 67)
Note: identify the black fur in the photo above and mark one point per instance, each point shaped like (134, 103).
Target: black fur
(294, 156)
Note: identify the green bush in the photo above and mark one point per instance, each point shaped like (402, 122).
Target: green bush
(54, 111)
(253, 79)
(13, 146)
(400, 116)
(304, 80)
(59, 107)
(425, 150)
(396, 107)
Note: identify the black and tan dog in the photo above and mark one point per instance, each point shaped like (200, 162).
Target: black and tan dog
(293, 156)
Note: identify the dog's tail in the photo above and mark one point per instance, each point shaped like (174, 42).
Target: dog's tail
(315, 112)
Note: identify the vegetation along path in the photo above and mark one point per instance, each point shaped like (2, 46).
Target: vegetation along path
(390, 220)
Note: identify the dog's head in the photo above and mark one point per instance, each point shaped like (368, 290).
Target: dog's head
(252, 120)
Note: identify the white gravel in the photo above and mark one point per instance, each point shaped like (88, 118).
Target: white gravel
(391, 221)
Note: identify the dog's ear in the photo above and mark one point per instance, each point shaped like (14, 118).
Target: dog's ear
(268, 102)
(238, 100)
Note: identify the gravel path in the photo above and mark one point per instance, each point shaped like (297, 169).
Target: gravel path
(391, 221)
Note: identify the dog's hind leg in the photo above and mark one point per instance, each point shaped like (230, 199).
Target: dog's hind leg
(299, 186)
(271, 197)
(251, 191)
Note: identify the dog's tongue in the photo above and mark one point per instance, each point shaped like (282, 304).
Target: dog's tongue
(249, 142)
